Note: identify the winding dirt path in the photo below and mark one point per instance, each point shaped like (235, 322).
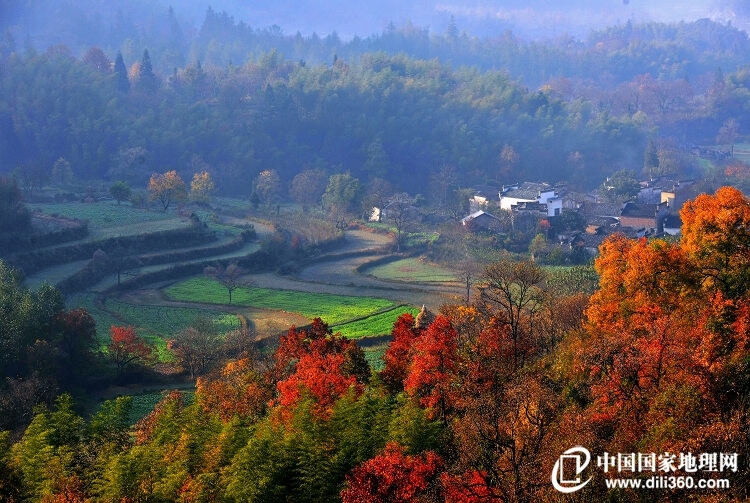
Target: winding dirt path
(329, 274)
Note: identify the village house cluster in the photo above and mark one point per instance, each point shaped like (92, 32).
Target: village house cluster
(654, 212)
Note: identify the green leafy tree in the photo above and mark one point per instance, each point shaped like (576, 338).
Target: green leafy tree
(307, 187)
(61, 171)
(343, 192)
(622, 185)
(120, 191)
(651, 159)
(14, 216)
(538, 246)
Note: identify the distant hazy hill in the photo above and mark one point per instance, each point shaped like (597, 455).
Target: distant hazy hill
(529, 18)
(46, 21)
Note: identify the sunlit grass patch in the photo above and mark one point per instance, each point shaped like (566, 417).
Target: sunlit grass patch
(413, 269)
(378, 324)
(333, 309)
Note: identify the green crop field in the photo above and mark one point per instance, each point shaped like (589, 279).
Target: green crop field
(165, 321)
(103, 319)
(55, 274)
(156, 324)
(412, 270)
(374, 356)
(103, 214)
(378, 324)
(107, 219)
(333, 309)
(572, 279)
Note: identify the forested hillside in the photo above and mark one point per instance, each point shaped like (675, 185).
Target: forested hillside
(382, 117)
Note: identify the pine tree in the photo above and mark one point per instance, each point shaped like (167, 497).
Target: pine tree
(121, 74)
(651, 159)
(146, 78)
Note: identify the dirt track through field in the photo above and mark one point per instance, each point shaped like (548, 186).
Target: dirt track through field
(340, 276)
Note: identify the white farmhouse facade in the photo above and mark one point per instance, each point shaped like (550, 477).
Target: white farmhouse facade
(530, 192)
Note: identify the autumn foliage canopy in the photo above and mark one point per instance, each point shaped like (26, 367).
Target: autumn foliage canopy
(475, 406)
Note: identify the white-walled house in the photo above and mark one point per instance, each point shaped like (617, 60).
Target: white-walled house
(531, 192)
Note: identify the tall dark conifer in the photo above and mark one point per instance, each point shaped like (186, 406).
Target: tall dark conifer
(146, 78)
(121, 74)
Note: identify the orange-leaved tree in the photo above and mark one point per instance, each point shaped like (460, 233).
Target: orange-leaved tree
(201, 187)
(666, 349)
(239, 391)
(167, 188)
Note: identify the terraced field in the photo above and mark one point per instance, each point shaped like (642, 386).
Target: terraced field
(107, 219)
(111, 280)
(53, 275)
(412, 270)
(377, 324)
(102, 214)
(155, 323)
(333, 309)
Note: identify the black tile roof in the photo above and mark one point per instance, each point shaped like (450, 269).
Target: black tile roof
(636, 210)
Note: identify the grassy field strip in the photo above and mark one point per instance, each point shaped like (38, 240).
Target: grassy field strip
(412, 270)
(333, 309)
(137, 228)
(221, 241)
(159, 323)
(111, 280)
(103, 214)
(143, 403)
(374, 325)
(374, 356)
(54, 275)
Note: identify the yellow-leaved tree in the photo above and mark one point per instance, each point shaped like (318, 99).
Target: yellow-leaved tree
(201, 187)
(166, 188)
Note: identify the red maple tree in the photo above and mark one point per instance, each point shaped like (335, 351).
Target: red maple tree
(393, 477)
(127, 348)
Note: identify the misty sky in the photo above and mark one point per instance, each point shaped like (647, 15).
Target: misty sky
(529, 19)
(533, 18)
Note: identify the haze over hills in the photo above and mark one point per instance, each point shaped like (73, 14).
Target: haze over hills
(49, 22)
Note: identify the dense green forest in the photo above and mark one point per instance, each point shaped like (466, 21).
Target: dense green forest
(381, 117)
(254, 99)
